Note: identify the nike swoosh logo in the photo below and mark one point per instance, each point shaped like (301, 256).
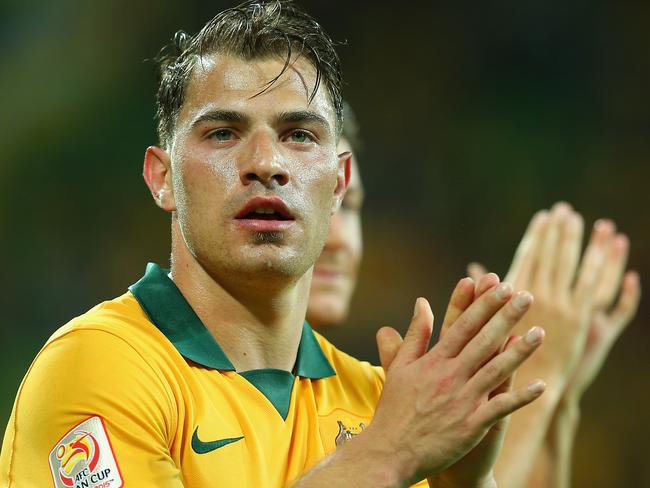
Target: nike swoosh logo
(200, 447)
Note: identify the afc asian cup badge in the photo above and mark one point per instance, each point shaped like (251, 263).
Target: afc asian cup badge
(84, 458)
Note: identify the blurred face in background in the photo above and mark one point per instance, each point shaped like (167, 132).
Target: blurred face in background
(335, 271)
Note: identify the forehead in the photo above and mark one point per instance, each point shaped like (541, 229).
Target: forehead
(230, 82)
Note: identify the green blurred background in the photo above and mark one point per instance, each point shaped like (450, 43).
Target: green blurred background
(473, 117)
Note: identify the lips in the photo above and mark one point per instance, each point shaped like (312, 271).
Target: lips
(265, 214)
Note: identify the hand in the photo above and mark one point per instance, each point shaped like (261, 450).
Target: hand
(573, 304)
(607, 321)
(546, 262)
(457, 401)
(475, 468)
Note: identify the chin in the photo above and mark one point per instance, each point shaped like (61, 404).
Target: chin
(269, 259)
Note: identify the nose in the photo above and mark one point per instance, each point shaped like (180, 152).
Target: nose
(263, 162)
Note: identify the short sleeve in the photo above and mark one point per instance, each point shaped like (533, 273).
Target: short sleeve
(91, 409)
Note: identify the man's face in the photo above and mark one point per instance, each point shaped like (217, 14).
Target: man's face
(335, 272)
(255, 176)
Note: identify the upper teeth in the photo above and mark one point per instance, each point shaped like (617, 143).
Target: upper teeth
(264, 210)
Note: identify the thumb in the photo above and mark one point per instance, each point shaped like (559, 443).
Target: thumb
(476, 271)
(388, 343)
(416, 341)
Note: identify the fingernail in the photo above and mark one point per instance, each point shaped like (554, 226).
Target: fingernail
(561, 209)
(534, 336)
(537, 387)
(503, 291)
(604, 226)
(622, 242)
(415, 308)
(522, 300)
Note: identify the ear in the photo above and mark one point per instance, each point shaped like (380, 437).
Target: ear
(342, 180)
(158, 176)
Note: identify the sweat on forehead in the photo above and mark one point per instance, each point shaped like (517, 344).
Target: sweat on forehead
(256, 77)
(251, 31)
(229, 88)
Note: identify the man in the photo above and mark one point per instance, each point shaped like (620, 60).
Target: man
(335, 273)
(576, 307)
(207, 375)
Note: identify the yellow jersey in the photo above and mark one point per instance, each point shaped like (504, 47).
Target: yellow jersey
(136, 392)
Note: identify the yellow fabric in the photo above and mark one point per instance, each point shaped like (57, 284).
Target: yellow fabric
(113, 362)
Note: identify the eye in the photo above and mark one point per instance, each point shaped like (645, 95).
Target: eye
(222, 135)
(300, 136)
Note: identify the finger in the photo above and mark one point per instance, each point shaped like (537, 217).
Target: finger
(471, 320)
(570, 245)
(548, 254)
(593, 261)
(507, 384)
(485, 283)
(493, 374)
(388, 343)
(504, 404)
(416, 341)
(492, 336)
(609, 282)
(628, 302)
(526, 254)
(476, 271)
(461, 298)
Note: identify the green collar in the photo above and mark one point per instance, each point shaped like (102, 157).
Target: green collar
(167, 308)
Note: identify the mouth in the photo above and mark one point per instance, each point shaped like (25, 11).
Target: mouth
(265, 214)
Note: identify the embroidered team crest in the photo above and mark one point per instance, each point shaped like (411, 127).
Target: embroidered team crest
(346, 432)
(83, 458)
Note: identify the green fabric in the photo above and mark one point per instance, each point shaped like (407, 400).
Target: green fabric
(167, 308)
(169, 311)
(275, 385)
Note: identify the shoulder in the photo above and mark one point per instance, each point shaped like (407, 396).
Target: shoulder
(112, 329)
(121, 317)
(110, 355)
(103, 372)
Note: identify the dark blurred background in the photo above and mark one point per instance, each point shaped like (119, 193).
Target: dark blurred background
(473, 116)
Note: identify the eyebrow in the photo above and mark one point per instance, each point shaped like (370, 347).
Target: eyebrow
(234, 117)
(231, 116)
(303, 116)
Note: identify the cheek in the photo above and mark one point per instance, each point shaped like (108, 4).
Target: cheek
(204, 182)
(223, 171)
(318, 181)
(353, 236)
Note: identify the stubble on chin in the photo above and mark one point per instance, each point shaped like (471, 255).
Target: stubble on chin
(268, 237)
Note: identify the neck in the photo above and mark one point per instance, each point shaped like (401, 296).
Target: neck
(257, 324)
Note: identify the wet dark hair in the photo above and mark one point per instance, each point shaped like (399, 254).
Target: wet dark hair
(253, 30)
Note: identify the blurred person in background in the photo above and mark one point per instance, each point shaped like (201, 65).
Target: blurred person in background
(584, 305)
(335, 272)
